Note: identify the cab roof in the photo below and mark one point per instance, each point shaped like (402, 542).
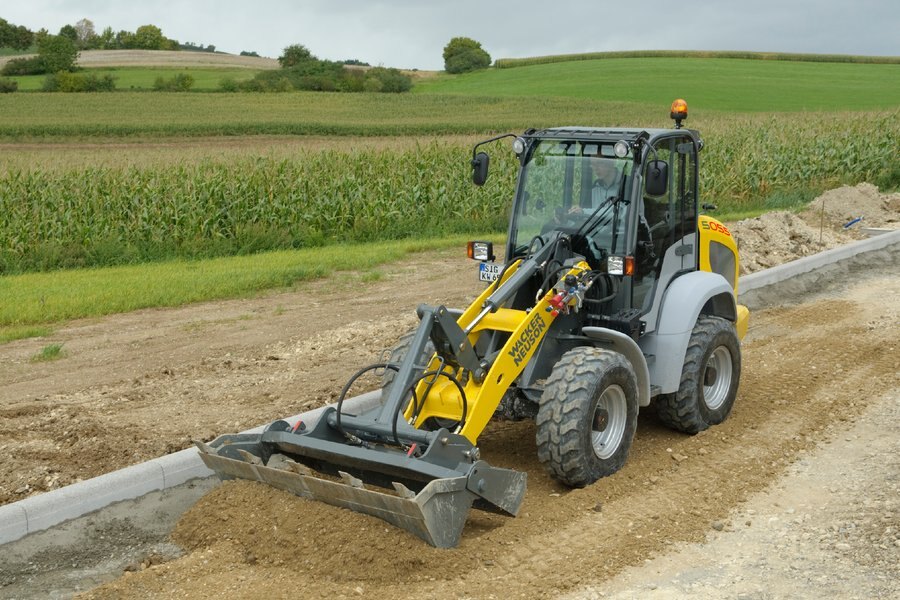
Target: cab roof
(611, 134)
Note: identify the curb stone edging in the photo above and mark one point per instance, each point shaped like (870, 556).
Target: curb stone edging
(43, 511)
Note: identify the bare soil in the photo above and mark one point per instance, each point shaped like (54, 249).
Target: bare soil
(139, 385)
(804, 382)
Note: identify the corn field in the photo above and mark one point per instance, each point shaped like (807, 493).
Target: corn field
(92, 215)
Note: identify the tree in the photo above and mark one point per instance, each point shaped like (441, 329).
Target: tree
(150, 37)
(40, 35)
(16, 37)
(294, 55)
(107, 39)
(68, 31)
(464, 54)
(86, 34)
(125, 40)
(23, 38)
(57, 53)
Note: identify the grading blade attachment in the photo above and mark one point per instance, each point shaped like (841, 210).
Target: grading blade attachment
(427, 495)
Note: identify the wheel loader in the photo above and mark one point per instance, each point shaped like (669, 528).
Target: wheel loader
(612, 296)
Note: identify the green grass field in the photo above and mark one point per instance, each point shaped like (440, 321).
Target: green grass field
(119, 114)
(30, 304)
(142, 78)
(736, 85)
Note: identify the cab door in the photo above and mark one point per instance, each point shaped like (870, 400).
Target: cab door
(666, 239)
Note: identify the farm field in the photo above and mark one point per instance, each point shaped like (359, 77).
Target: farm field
(200, 199)
(160, 58)
(726, 84)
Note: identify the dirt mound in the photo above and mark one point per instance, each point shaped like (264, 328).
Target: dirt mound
(276, 528)
(864, 201)
(779, 237)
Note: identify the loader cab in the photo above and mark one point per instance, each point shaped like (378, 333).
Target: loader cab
(603, 188)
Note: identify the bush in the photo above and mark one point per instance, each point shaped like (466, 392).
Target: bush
(24, 66)
(462, 54)
(392, 80)
(7, 86)
(182, 82)
(300, 70)
(229, 85)
(78, 82)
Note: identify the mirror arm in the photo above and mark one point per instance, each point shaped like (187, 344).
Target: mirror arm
(493, 139)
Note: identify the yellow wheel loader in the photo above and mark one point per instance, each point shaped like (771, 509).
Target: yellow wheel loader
(614, 294)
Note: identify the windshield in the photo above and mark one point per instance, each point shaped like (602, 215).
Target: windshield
(566, 183)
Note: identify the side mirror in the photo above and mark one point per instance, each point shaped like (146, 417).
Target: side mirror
(480, 168)
(657, 178)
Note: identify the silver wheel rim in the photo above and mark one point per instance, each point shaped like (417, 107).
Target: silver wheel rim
(608, 422)
(717, 377)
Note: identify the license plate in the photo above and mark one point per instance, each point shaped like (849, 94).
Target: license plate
(488, 271)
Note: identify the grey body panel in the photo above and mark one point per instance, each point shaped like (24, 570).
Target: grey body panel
(679, 257)
(686, 298)
(627, 347)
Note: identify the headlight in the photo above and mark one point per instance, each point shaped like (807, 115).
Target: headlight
(620, 265)
(480, 250)
(518, 145)
(615, 265)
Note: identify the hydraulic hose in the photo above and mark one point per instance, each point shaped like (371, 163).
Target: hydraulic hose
(411, 387)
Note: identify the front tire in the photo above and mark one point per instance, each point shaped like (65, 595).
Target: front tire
(588, 416)
(709, 378)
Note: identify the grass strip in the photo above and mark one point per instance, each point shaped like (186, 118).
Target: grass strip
(44, 298)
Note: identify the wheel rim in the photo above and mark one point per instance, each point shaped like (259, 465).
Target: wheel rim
(608, 422)
(717, 377)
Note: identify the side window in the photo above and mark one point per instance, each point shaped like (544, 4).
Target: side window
(659, 224)
(687, 197)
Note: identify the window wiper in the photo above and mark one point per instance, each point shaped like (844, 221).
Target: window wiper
(607, 204)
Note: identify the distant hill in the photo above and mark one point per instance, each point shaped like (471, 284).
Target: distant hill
(165, 58)
(508, 63)
(727, 84)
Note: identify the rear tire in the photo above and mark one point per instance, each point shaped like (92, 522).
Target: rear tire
(709, 379)
(588, 416)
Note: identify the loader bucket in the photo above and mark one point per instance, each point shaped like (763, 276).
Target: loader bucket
(428, 496)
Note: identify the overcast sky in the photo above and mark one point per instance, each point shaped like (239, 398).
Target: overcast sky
(412, 34)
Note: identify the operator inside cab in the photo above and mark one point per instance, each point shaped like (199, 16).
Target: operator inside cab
(607, 179)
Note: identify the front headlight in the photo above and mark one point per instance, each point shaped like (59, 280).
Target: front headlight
(483, 251)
